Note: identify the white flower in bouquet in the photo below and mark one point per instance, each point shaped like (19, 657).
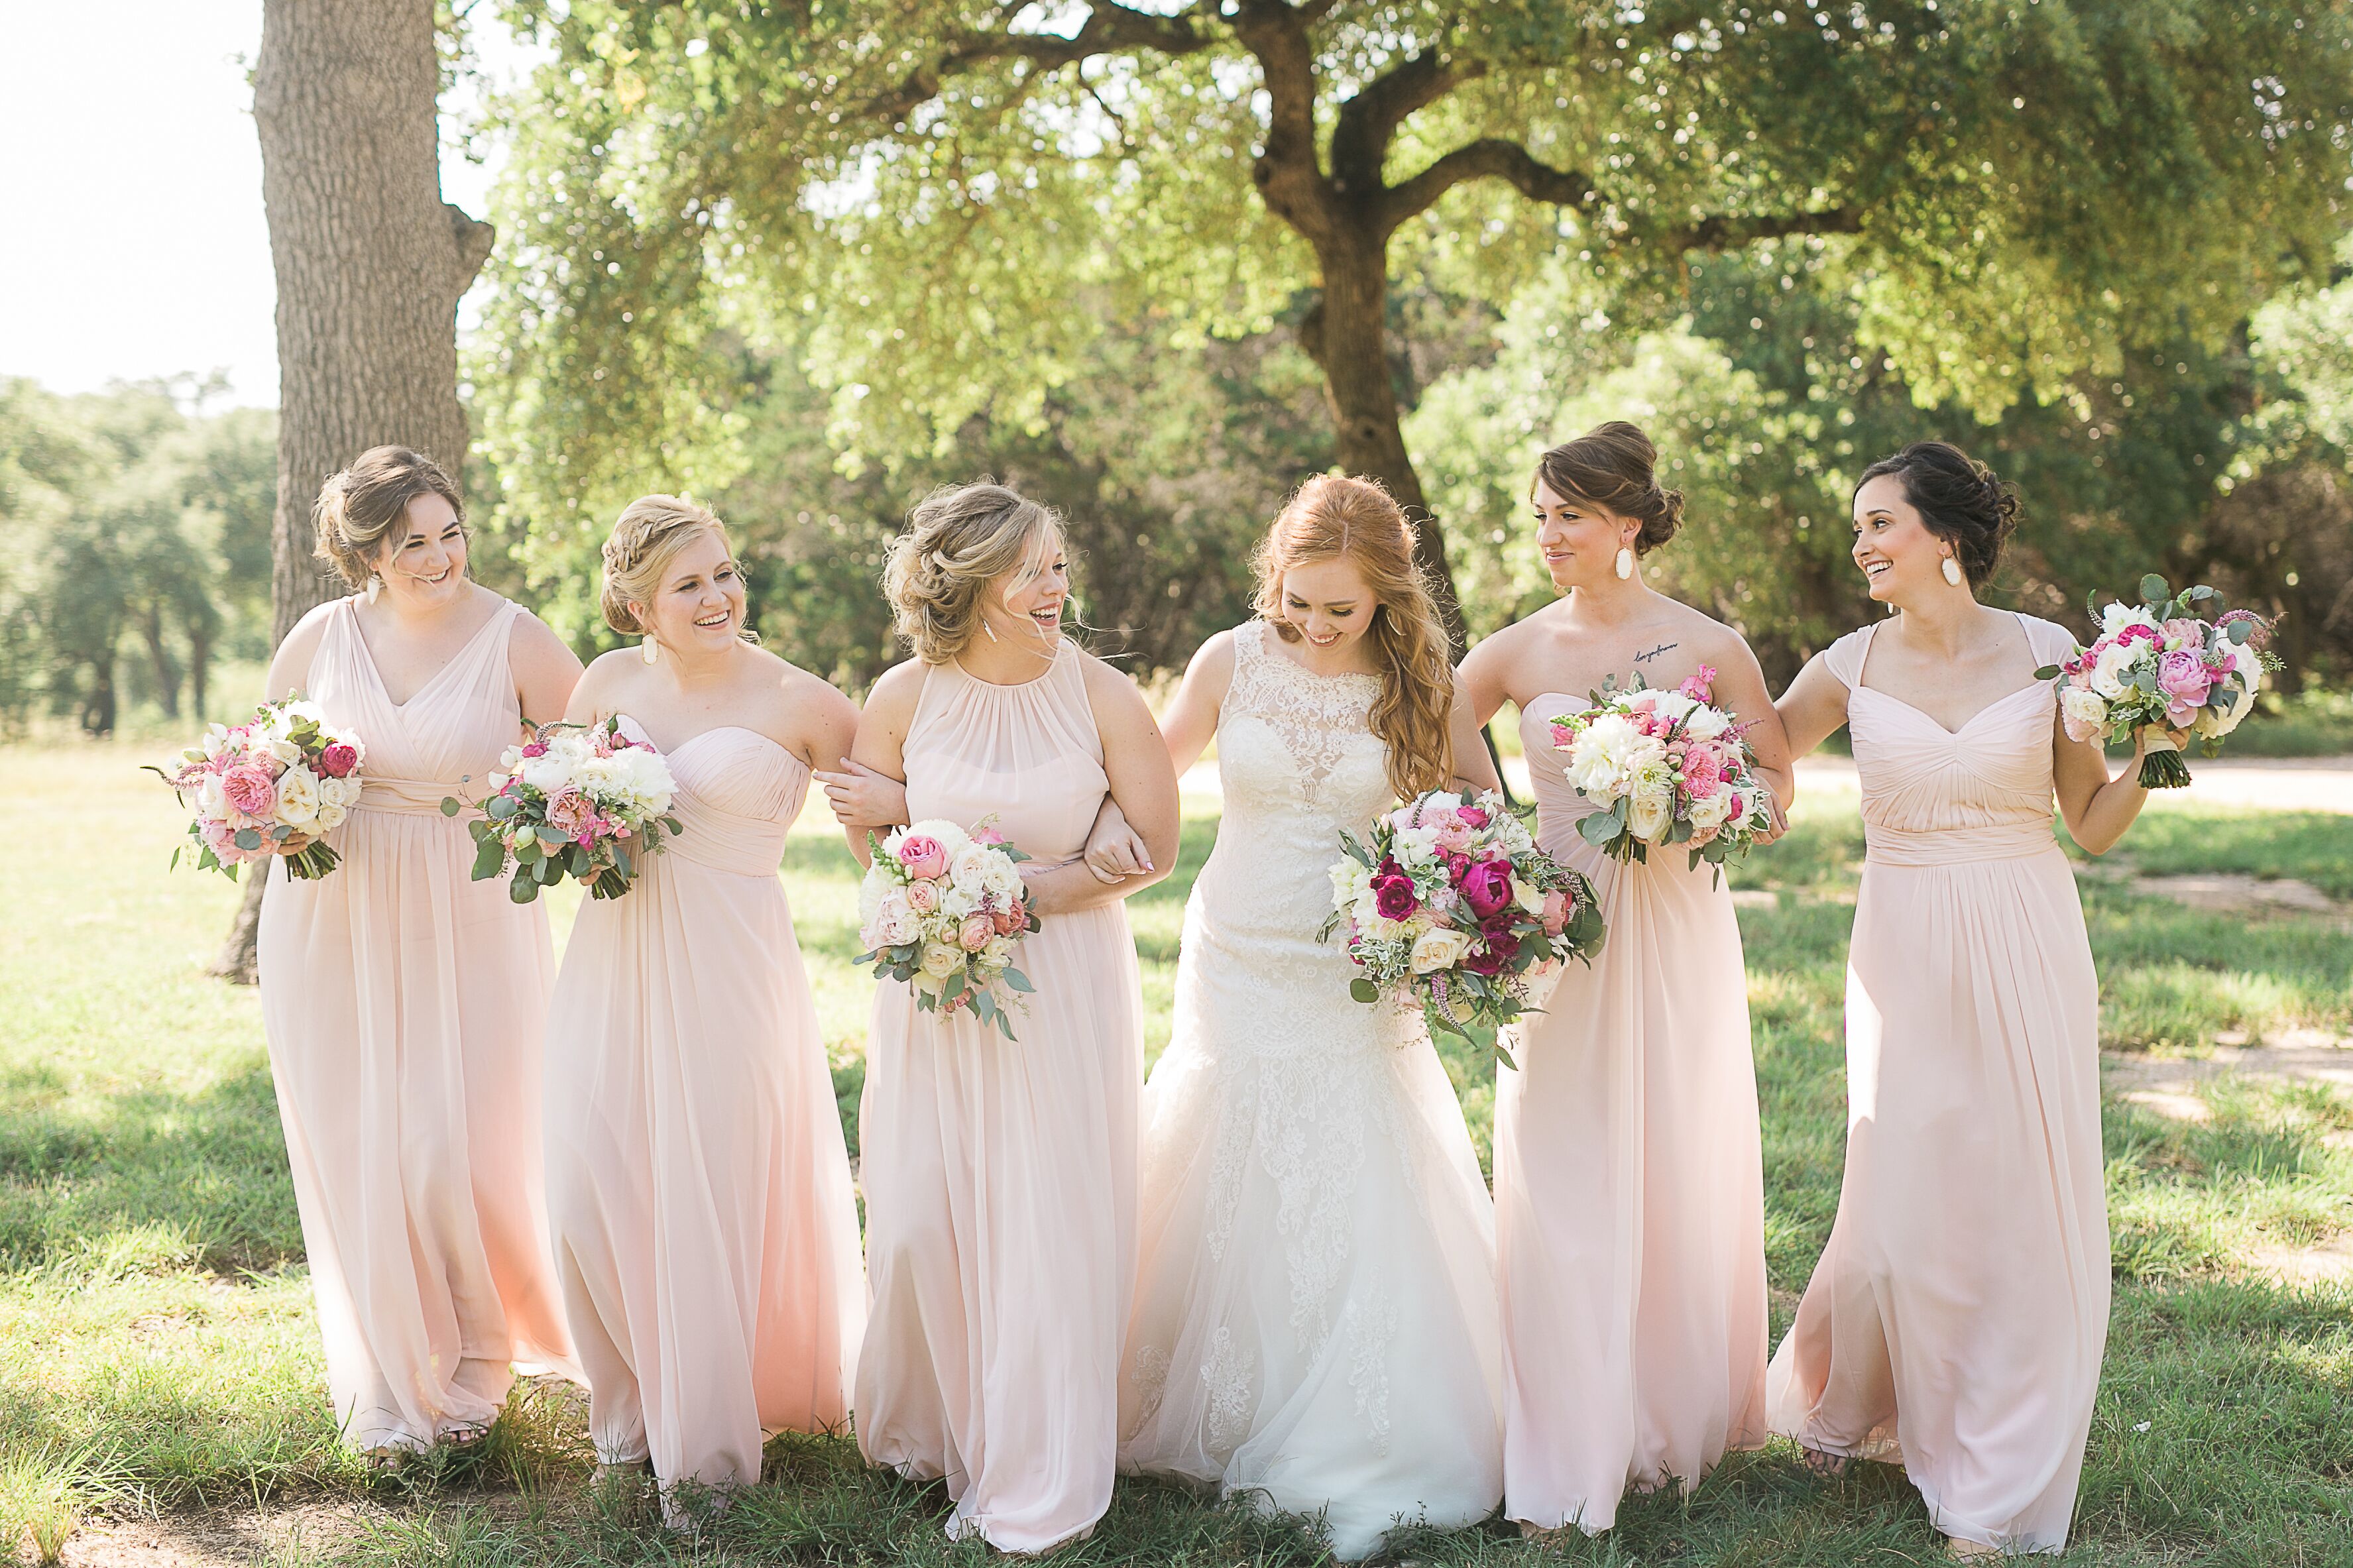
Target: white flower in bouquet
(939, 960)
(1653, 809)
(1441, 947)
(2084, 710)
(2117, 616)
(298, 799)
(1708, 811)
(1705, 724)
(2109, 670)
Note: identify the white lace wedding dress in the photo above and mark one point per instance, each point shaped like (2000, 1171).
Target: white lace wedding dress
(1315, 1321)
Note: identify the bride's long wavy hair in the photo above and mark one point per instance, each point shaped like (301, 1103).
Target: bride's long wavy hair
(1329, 517)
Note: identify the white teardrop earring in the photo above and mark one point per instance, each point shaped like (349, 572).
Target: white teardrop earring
(375, 586)
(649, 651)
(1624, 564)
(1952, 572)
(989, 629)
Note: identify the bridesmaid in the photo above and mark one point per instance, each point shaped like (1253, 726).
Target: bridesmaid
(1956, 1321)
(1629, 1177)
(404, 1003)
(705, 1233)
(1000, 1176)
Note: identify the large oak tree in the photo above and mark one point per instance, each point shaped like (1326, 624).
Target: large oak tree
(370, 264)
(930, 199)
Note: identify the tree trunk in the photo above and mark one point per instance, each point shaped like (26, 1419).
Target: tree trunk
(159, 654)
(98, 707)
(370, 264)
(200, 663)
(1347, 336)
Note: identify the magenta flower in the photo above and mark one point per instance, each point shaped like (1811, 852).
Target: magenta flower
(1487, 887)
(1393, 895)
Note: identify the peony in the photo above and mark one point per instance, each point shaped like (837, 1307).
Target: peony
(338, 760)
(922, 856)
(1487, 888)
(2183, 678)
(1702, 771)
(571, 814)
(1652, 812)
(249, 788)
(892, 924)
(939, 960)
(974, 933)
(1441, 947)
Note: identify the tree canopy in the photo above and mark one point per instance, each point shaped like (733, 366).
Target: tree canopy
(933, 206)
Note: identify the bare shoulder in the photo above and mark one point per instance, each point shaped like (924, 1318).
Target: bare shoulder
(290, 666)
(1108, 684)
(1711, 640)
(898, 689)
(811, 699)
(529, 635)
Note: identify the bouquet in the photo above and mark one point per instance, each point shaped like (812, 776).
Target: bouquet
(944, 908)
(1452, 906)
(2159, 666)
(1665, 767)
(281, 774)
(580, 801)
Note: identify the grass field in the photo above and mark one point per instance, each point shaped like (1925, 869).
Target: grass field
(157, 1358)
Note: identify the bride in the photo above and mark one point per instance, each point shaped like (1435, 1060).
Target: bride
(1315, 1323)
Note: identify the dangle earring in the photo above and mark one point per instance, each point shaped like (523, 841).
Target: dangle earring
(649, 651)
(1952, 572)
(375, 586)
(989, 629)
(1624, 564)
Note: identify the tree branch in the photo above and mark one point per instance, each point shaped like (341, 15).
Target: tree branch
(1109, 27)
(1367, 122)
(1488, 158)
(1731, 231)
(1287, 171)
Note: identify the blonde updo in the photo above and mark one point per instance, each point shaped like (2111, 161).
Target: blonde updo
(367, 504)
(959, 539)
(647, 538)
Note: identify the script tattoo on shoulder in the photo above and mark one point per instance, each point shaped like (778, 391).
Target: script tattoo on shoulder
(1653, 653)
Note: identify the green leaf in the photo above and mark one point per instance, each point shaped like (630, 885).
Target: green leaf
(449, 806)
(1364, 990)
(2239, 631)
(2153, 589)
(581, 863)
(248, 839)
(490, 859)
(1599, 828)
(500, 808)
(1017, 981)
(522, 889)
(2047, 672)
(548, 872)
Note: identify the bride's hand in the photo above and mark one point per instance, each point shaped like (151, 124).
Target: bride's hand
(860, 797)
(1115, 851)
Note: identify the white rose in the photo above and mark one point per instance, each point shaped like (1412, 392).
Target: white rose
(2083, 709)
(298, 799)
(282, 752)
(939, 960)
(1671, 705)
(955, 902)
(1441, 947)
(999, 952)
(2239, 700)
(1709, 814)
(330, 815)
(1653, 811)
(2108, 670)
(1528, 896)
(1706, 723)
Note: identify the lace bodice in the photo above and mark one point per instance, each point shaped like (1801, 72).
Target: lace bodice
(1298, 762)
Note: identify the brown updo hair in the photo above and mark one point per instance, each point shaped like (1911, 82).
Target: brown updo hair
(1959, 500)
(1612, 467)
(959, 540)
(1330, 517)
(646, 538)
(362, 507)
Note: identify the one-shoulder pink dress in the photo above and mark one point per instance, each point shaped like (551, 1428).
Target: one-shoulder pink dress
(1000, 1176)
(705, 1232)
(1629, 1199)
(1956, 1321)
(405, 1005)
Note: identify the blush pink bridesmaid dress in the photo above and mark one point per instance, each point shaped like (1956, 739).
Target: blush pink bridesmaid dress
(1629, 1203)
(705, 1232)
(1000, 1176)
(1956, 1321)
(405, 1005)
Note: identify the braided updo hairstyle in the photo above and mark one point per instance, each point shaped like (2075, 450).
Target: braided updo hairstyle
(1612, 467)
(366, 505)
(647, 538)
(1959, 500)
(959, 539)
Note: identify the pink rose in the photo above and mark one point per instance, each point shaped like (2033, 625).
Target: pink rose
(922, 897)
(1555, 912)
(251, 789)
(1487, 887)
(1702, 771)
(338, 759)
(2184, 679)
(571, 814)
(974, 932)
(221, 838)
(1476, 815)
(1013, 918)
(986, 834)
(924, 857)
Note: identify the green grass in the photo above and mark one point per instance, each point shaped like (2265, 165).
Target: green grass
(157, 1352)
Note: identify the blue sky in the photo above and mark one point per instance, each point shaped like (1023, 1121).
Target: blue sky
(132, 238)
